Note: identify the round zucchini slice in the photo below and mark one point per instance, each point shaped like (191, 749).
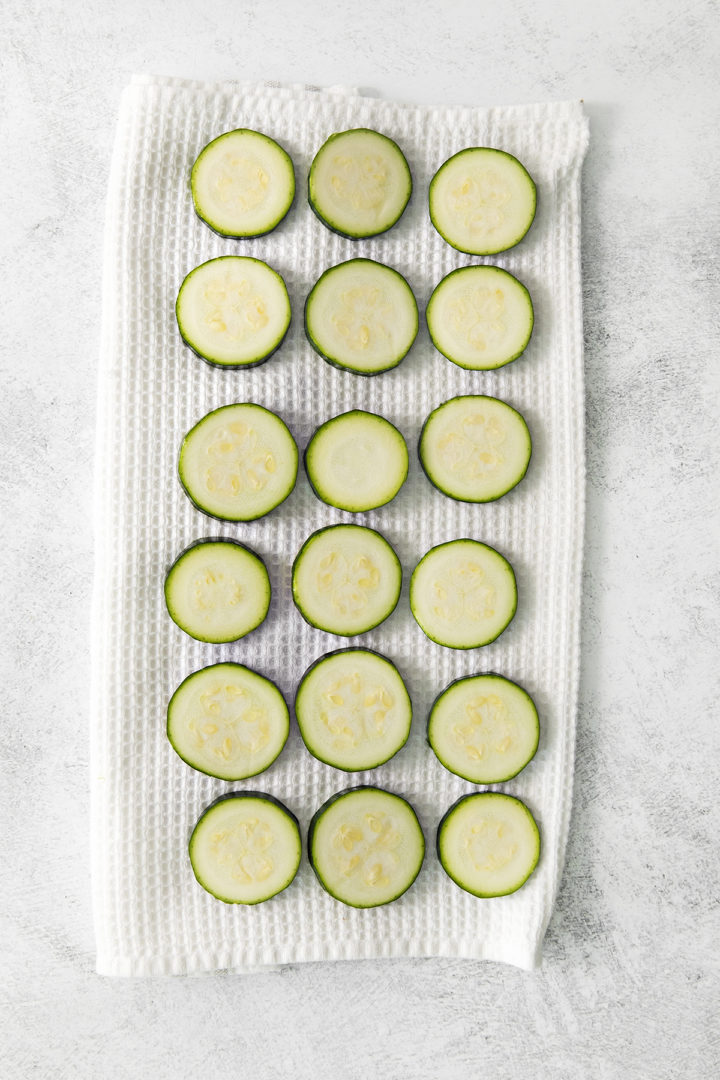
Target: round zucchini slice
(353, 709)
(480, 317)
(366, 846)
(346, 579)
(243, 184)
(463, 594)
(482, 201)
(217, 590)
(227, 721)
(361, 316)
(238, 463)
(245, 848)
(475, 448)
(359, 183)
(488, 843)
(484, 728)
(233, 311)
(357, 461)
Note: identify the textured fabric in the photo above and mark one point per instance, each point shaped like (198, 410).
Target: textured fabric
(150, 914)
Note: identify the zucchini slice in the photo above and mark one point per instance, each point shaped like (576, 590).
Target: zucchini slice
(475, 448)
(366, 846)
(233, 311)
(361, 316)
(346, 579)
(243, 184)
(238, 463)
(353, 709)
(359, 183)
(217, 590)
(227, 721)
(482, 201)
(356, 461)
(463, 594)
(488, 843)
(480, 317)
(245, 848)
(484, 728)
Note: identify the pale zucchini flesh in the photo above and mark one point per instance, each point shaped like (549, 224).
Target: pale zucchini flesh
(233, 311)
(361, 316)
(242, 183)
(480, 317)
(227, 721)
(245, 848)
(353, 709)
(482, 201)
(463, 594)
(357, 461)
(346, 579)
(359, 183)
(366, 846)
(475, 448)
(484, 728)
(488, 843)
(238, 463)
(217, 590)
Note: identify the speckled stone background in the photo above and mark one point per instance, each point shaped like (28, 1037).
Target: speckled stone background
(630, 983)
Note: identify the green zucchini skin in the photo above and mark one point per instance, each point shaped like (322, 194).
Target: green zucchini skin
(333, 799)
(192, 765)
(248, 795)
(438, 839)
(244, 236)
(512, 613)
(232, 236)
(309, 471)
(338, 652)
(466, 678)
(345, 235)
(217, 540)
(264, 797)
(344, 367)
(203, 509)
(296, 561)
(237, 521)
(231, 367)
(362, 235)
(326, 806)
(493, 498)
(350, 235)
(464, 366)
(331, 228)
(493, 250)
(336, 363)
(218, 363)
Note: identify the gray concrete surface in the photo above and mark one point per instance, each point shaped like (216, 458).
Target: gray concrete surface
(629, 985)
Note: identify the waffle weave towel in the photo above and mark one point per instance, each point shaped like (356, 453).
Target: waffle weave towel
(150, 914)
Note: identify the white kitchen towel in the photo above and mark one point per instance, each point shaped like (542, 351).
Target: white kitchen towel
(151, 916)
